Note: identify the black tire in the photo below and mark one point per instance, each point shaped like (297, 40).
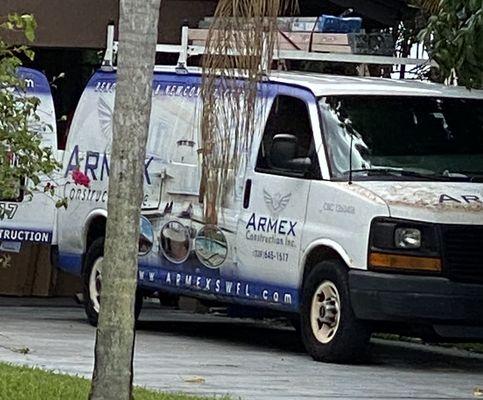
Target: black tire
(96, 251)
(348, 344)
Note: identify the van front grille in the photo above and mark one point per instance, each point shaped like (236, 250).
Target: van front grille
(463, 253)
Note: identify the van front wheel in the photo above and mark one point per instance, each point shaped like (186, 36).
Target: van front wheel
(92, 283)
(330, 332)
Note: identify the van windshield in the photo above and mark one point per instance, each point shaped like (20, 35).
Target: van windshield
(403, 137)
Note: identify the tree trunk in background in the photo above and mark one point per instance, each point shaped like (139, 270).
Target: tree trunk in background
(113, 370)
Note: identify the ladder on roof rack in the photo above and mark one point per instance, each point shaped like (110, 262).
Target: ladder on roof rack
(186, 50)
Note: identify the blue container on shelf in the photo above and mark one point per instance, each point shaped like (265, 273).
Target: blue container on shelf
(332, 24)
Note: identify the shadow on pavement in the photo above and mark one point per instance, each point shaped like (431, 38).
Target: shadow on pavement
(382, 352)
(257, 335)
(425, 357)
(232, 332)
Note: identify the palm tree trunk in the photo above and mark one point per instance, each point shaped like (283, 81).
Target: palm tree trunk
(113, 370)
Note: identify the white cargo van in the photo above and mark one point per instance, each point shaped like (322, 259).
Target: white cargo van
(22, 220)
(359, 206)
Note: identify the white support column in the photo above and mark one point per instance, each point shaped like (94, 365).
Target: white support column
(183, 52)
(108, 62)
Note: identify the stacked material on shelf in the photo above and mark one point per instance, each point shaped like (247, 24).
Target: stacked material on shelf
(322, 24)
(304, 33)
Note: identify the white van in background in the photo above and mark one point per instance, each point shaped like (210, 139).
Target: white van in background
(359, 206)
(32, 219)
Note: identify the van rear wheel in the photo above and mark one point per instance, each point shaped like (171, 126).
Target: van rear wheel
(330, 332)
(92, 283)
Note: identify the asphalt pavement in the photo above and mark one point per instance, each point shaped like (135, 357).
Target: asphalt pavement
(206, 355)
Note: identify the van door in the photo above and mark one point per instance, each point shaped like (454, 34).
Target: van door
(32, 219)
(275, 198)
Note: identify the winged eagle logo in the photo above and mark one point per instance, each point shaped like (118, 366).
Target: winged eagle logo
(105, 113)
(276, 203)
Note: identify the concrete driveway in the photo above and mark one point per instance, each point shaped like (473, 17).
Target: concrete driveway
(177, 351)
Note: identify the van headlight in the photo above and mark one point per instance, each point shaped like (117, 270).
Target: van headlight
(404, 246)
(407, 238)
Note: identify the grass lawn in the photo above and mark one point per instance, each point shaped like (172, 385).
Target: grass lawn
(474, 347)
(22, 383)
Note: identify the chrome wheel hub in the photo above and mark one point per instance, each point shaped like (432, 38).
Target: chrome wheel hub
(325, 312)
(95, 283)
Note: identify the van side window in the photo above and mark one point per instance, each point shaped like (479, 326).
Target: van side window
(287, 146)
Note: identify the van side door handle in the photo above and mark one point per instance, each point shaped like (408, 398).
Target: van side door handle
(247, 193)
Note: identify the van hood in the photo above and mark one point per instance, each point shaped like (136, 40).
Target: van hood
(439, 202)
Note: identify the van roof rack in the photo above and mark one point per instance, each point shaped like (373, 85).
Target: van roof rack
(197, 37)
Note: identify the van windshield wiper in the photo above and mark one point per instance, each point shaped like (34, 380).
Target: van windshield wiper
(397, 172)
(472, 176)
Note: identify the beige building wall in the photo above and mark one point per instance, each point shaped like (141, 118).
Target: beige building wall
(82, 23)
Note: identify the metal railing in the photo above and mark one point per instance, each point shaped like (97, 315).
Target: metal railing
(185, 51)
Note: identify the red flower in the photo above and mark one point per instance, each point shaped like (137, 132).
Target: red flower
(80, 178)
(49, 187)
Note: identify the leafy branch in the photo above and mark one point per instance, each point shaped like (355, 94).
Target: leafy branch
(454, 39)
(23, 157)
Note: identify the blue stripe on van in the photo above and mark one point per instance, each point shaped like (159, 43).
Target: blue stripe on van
(103, 82)
(71, 263)
(161, 77)
(239, 291)
(36, 82)
(18, 234)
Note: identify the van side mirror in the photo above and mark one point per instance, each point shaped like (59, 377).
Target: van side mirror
(283, 154)
(301, 164)
(283, 149)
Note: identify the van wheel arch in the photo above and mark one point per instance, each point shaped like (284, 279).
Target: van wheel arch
(317, 255)
(329, 329)
(96, 229)
(92, 282)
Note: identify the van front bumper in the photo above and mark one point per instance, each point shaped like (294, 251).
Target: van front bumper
(416, 299)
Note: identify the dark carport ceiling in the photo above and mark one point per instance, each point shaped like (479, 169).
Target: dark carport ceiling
(375, 13)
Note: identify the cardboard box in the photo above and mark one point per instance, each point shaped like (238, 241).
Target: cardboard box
(30, 273)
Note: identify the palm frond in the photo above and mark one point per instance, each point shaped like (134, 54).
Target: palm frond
(429, 6)
(240, 44)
